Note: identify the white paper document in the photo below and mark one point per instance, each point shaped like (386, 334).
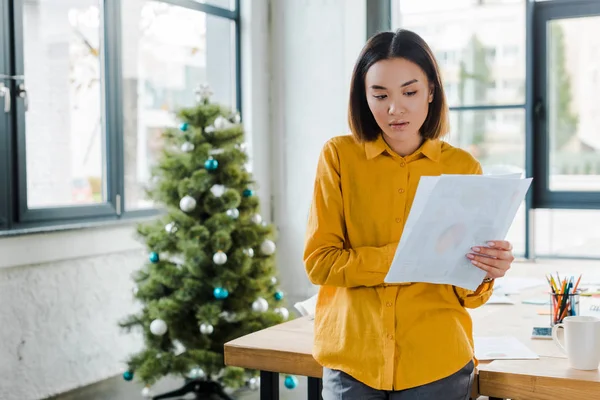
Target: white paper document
(449, 215)
(502, 348)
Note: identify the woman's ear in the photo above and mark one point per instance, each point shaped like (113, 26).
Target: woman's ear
(431, 91)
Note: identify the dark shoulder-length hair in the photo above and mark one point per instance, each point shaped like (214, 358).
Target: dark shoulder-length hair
(386, 45)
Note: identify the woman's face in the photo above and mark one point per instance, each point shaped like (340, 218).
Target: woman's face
(398, 94)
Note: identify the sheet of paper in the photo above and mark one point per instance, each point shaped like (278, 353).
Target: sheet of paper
(515, 285)
(449, 215)
(500, 299)
(502, 348)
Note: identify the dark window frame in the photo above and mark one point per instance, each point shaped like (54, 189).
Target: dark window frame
(15, 216)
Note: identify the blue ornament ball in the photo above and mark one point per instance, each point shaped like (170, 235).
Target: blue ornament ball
(183, 126)
(211, 164)
(278, 295)
(220, 293)
(128, 375)
(291, 382)
(247, 193)
(154, 257)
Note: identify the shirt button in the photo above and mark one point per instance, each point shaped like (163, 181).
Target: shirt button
(398, 220)
(389, 304)
(402, 163)
(400, 190)
(390, 336)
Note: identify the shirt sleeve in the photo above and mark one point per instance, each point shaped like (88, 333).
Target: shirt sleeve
(477, 298)
(327, 257)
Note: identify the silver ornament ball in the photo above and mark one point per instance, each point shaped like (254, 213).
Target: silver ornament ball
(196, 373)
(233, 213)
(187, 147)
(267, 247)
(256, 218)
(146, 393)
(206, 329)
(285, 314)
(249, 252)
(187, 204)
(260, 305)
(220, 258)
(158, 327)
(171, 227)
(254, 383)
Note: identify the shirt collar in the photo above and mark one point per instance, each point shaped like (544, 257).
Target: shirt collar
(431, 149)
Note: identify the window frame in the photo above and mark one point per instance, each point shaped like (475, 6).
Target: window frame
(15, 216)
(543, 197)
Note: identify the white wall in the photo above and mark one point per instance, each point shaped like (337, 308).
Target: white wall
(61, 295)
(314, 44)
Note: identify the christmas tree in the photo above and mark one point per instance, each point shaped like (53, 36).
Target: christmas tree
(211, 274)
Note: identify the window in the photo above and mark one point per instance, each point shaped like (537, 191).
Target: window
(484, 87)
(83, 100)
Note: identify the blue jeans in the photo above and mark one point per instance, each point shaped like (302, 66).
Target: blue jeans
(338, 385)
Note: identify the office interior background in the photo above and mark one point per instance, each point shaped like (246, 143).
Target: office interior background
(87, 87)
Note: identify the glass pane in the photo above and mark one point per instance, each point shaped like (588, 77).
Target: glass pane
(572, 233)
(574, 111)
(172, 52)
(65, 144)
(228, 4)
(497, 139)
(480, 46)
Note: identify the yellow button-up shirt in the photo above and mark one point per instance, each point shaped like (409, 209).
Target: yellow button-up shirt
(388, 336)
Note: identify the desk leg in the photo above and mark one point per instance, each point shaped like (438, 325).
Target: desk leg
(269, 385)
(315, 386)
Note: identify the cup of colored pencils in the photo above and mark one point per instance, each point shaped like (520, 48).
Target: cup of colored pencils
(564, 297)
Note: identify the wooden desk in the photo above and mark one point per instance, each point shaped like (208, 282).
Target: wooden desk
(286, 348)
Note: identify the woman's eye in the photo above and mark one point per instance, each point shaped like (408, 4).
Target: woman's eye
(410, 93)
(380, 96)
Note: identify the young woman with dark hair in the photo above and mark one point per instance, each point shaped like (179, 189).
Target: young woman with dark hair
(377, 340)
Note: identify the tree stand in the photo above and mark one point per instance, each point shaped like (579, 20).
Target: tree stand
(202, 389)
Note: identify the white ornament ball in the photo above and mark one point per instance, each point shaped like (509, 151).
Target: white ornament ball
(249, 252)
(260, 305)
(228, 316)
(158, 327)
(146, 393)
(285, 314)
(187, 204)
(220, 258)
(171, 227)
(233, 213)
(187, 147)
(206, 329)
(273, 280)
(220, 123)
(196, 373)
(217, 190)
(267, 247)
(254, 383)
(256, 218)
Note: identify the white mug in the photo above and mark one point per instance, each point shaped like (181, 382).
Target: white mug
(581, 341)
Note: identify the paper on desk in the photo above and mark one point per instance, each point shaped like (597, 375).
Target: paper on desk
(502, 348)
(499, 299)
(462, 211)
(307, 307)
(515, 285)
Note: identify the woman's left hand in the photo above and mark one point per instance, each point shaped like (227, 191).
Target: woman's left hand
(495, 259)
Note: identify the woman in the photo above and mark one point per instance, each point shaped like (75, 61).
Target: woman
(377, 340)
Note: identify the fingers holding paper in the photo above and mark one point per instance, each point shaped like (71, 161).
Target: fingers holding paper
(495, 258)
